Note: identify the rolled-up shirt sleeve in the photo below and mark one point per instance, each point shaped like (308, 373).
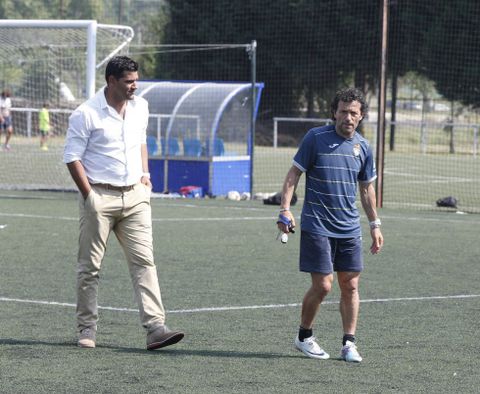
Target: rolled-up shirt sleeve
(77, 138)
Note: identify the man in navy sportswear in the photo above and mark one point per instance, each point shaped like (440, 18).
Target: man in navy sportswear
(335, 159)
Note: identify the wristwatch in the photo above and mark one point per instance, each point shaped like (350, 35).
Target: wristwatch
(375, 223)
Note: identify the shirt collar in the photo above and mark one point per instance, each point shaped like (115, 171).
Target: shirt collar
(102, 101)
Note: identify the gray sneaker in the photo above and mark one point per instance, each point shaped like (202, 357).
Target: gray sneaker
(87, 338)
(162, 336)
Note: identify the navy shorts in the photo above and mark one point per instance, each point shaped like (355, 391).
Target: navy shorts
(7, 122)
(325, 255)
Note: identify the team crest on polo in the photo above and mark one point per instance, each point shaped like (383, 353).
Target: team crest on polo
(356, 150)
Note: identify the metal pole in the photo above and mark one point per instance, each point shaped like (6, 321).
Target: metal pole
(382, 98)
(393, 110)
(252, 51)
(475, 141)
(120, 11)
(275, 133)
(91, 58)
(29, 124)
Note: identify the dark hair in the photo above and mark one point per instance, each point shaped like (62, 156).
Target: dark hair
(347, 96)
(118, 65)
(6, 93)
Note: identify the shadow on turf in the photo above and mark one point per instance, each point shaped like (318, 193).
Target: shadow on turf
(216, 353)
(232, 354)
(170, 351)
(6, 341)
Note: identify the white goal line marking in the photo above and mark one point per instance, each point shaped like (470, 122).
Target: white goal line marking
(198, 219)
(213, 219)
(245, 307)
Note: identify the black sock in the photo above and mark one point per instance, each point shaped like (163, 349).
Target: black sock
(304, 333)
(348, 337)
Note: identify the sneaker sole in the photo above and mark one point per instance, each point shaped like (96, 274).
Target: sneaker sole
(172, 340)
(351, 361)
(324, 356)
(86, 345)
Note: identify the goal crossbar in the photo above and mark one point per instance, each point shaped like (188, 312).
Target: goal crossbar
(91, 27)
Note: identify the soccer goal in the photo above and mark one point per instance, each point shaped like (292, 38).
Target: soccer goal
(51, 62)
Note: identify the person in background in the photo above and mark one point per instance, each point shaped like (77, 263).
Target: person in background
(6, 117)
(44, 125)
(335, 158)
(106, 154)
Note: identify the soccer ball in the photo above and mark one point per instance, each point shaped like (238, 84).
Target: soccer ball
(233, 195)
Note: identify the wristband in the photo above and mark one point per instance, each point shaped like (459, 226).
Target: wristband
(284, 209)
(284, 220)
(375, 223)
(146, 174)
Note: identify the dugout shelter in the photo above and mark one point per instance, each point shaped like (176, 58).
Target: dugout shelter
(200, 134)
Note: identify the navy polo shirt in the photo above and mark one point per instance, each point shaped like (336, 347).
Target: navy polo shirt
(333, 166)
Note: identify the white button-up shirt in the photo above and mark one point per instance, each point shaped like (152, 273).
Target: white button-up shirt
(108, 145)
(5, 106)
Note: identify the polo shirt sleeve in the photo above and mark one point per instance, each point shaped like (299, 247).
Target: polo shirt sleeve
(307, 152)
(77, 137)
(368, 173)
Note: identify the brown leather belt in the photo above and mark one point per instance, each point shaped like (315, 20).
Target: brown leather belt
(112, 187)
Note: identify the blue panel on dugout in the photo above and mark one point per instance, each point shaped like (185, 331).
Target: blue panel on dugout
(202, 130)
(156, 168)
(230, 175)
(187, 173)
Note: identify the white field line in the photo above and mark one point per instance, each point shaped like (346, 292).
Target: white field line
(222, 219)
(197, 219)
(245, 307)
(219, 219)
(31, 216)
(438, 178)
(21, 197)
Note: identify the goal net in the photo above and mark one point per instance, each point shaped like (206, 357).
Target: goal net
(51, 63)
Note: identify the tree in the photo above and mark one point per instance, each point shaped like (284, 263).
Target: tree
(306, 48)
(50, 9)
(451, 55)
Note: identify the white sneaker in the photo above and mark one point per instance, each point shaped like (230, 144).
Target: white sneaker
(310, 348)
(350, 353)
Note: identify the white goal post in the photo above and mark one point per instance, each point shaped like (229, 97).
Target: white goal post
(90, 26)
(52, 62)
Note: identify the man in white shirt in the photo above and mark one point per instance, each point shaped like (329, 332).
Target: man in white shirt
(106, 154)
(6, 117)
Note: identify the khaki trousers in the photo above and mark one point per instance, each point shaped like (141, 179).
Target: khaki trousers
(128, 214)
